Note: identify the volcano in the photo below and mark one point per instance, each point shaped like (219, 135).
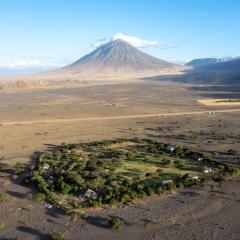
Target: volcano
(118, 58)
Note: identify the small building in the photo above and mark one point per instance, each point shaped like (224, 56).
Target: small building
(170, 148)
(87, 195)
(207, 169)
(167, 181)
(45, 166)
(192, 176)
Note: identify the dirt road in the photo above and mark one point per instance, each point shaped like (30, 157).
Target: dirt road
(76, 119)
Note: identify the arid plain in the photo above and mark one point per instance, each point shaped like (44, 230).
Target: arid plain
(38, 119)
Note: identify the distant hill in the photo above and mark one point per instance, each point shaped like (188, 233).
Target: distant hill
(209, 71)
(202, 62)
(214, 71)
(226, 64)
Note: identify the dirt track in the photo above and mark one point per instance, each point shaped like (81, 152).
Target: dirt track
(76, 119)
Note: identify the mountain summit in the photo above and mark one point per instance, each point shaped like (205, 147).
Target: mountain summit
(117, 57)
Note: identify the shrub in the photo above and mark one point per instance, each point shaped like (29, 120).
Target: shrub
(126, 198)
(18, 168)
(148, 222)
(221, 168)
(2, 225)
(65, 188)
(178, 163)
(150, 192)
(219, 178)
(57, 235)
(131, 155)
(3, 197)
(39, 197)
(165, 161)
(75, 216)
(180, 185)
(115, 223)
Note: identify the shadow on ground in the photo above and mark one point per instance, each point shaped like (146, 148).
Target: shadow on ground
(35, 232)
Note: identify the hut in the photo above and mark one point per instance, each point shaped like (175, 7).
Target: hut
(167, 181)
(87, 195)
(189, 176)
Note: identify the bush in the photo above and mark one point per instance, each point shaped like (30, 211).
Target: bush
(165, 161)
(75, 217)
(148, 222)
(2, 225)
(39, 197)
(18, 168)
(3, 197)
(57, 235)
(115, 223)
(221, 168)
(178, 163)
(180, 185)
(150, 191)
(219, 178)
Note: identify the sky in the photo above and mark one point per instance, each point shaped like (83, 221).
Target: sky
(41, 34)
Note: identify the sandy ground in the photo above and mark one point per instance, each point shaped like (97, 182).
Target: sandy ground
(136, 116)
(217, 102)
(159, 111)
(65, 78)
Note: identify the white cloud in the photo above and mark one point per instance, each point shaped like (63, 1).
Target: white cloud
(33, 62)
(134, 41)
(22, 63)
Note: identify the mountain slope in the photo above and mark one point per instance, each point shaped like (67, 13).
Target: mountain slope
(116, 60)
(118, 57)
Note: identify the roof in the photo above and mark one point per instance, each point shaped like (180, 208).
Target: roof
(45, 166)
(88, 194)
(207, 169)
(167, 181)
(196, 156)
(191, 175)
(170, 148)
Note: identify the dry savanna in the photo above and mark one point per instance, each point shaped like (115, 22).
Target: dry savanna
(119, 144)
(145, 158)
